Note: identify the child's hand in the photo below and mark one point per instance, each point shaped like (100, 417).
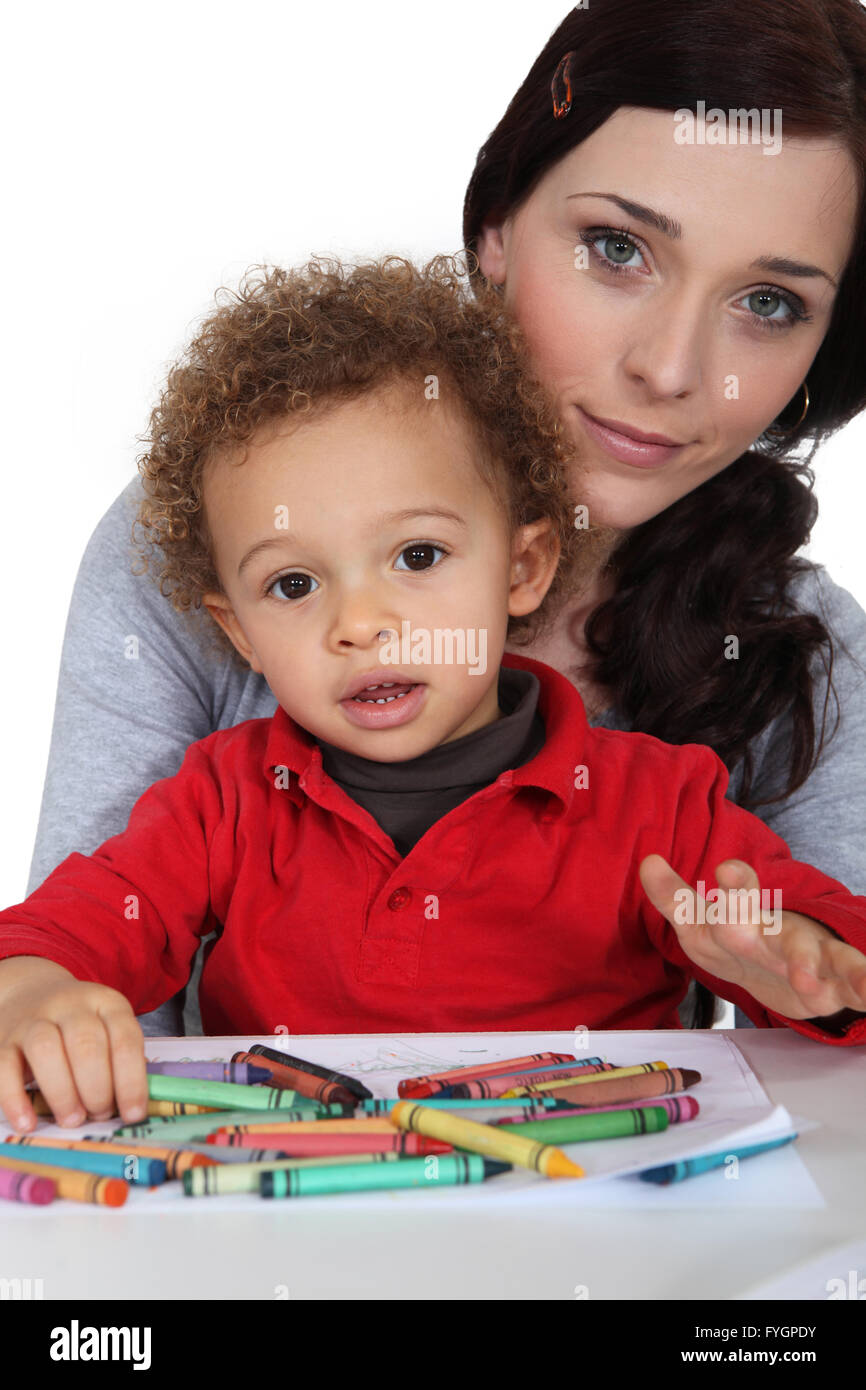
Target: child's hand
(79, 1041)
(792, 965)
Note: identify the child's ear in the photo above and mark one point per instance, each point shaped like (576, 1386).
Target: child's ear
(222, 612)
(534, 557)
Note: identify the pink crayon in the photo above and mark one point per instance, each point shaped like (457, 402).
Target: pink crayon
(679, 1108)
(24, 1187)
(292, 1145)
(495, 1086)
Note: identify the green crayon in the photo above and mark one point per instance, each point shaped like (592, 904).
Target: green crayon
(244, 1177)
(572, 1129)
(226, 1095)
(433, 1170)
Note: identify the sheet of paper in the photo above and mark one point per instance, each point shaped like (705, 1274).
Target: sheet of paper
(735, 1110)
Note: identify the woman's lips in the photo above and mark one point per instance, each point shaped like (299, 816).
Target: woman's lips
(399, 710)
(626, 449)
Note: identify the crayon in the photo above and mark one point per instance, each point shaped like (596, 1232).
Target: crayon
(148, 1172)
(595, 1079)
(22, 1187)
(286, 1060)
(409, 1172)
(220, 1154)
(495, 1087)
(292, 1078)
(154, 1107)
(493, 1141)
(191, 1126)
(176, 1161)
(373, 1124)
(603, 1092)
(244, 1177)
(538, 1103)
(240, 1073)
(223, 1094)
(678, 1108)
(71, 1185)
(690, 1167)
(417, 1087)
(292, 1145)
(170, 1108)
(576, 1129)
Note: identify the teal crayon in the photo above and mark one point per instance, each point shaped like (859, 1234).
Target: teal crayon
(690, 1167)
(148, 1172)
(576, 1129)
(287, 1060)
(245, 1177)
(520, 1105)
(433, 1170)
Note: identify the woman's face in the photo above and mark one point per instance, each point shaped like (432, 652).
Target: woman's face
(693, 314)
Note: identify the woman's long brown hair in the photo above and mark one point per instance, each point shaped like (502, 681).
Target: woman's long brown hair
(722, 558)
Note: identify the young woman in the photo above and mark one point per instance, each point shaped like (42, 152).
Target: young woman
(692, 302)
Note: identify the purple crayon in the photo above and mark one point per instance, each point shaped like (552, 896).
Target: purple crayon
(241, 1073)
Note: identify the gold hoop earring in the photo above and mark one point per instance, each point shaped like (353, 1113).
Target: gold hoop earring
(783, 434)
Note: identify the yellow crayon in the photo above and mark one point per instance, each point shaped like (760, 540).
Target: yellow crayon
(612, 1075)
(490, 1140)
(154, 1107)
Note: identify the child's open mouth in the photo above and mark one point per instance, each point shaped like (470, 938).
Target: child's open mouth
(384, 705)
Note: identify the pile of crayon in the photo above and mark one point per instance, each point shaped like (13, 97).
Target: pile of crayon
(281, 1126)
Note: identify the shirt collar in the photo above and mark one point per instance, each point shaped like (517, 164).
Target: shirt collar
(291, 748)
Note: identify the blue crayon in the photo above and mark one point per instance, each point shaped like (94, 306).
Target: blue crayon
(690, 1167)
(146, 1171)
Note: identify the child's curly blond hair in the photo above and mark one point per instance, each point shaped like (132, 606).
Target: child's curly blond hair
(292, 341)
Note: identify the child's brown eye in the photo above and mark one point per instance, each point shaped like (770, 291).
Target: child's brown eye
(293, 585)
(420, 557)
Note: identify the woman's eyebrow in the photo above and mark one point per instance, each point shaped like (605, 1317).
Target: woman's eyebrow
(669, 227)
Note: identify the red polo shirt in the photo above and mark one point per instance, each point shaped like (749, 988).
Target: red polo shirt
(519, 909)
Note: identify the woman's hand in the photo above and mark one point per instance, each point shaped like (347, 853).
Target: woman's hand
(80, 1042)
(790, 963)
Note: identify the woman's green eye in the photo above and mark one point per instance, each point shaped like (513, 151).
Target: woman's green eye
(765, 304)
(618, 250)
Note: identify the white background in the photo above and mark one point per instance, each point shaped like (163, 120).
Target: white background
(154, 152)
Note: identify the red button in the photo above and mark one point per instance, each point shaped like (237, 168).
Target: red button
(399, 898)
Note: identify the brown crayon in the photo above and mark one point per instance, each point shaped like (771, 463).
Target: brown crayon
(654, 1083)
(305, 1083)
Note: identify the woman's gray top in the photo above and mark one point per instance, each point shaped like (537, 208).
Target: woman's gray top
(127, 711)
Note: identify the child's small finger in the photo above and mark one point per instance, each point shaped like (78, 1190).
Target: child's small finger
(127, 1062)
(43, 1047)
(14, 1101)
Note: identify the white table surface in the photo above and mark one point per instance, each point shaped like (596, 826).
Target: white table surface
(291, 1252)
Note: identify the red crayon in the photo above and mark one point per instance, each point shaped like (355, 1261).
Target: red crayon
(416, 1087)
(292, 1145)
(290, 1079)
